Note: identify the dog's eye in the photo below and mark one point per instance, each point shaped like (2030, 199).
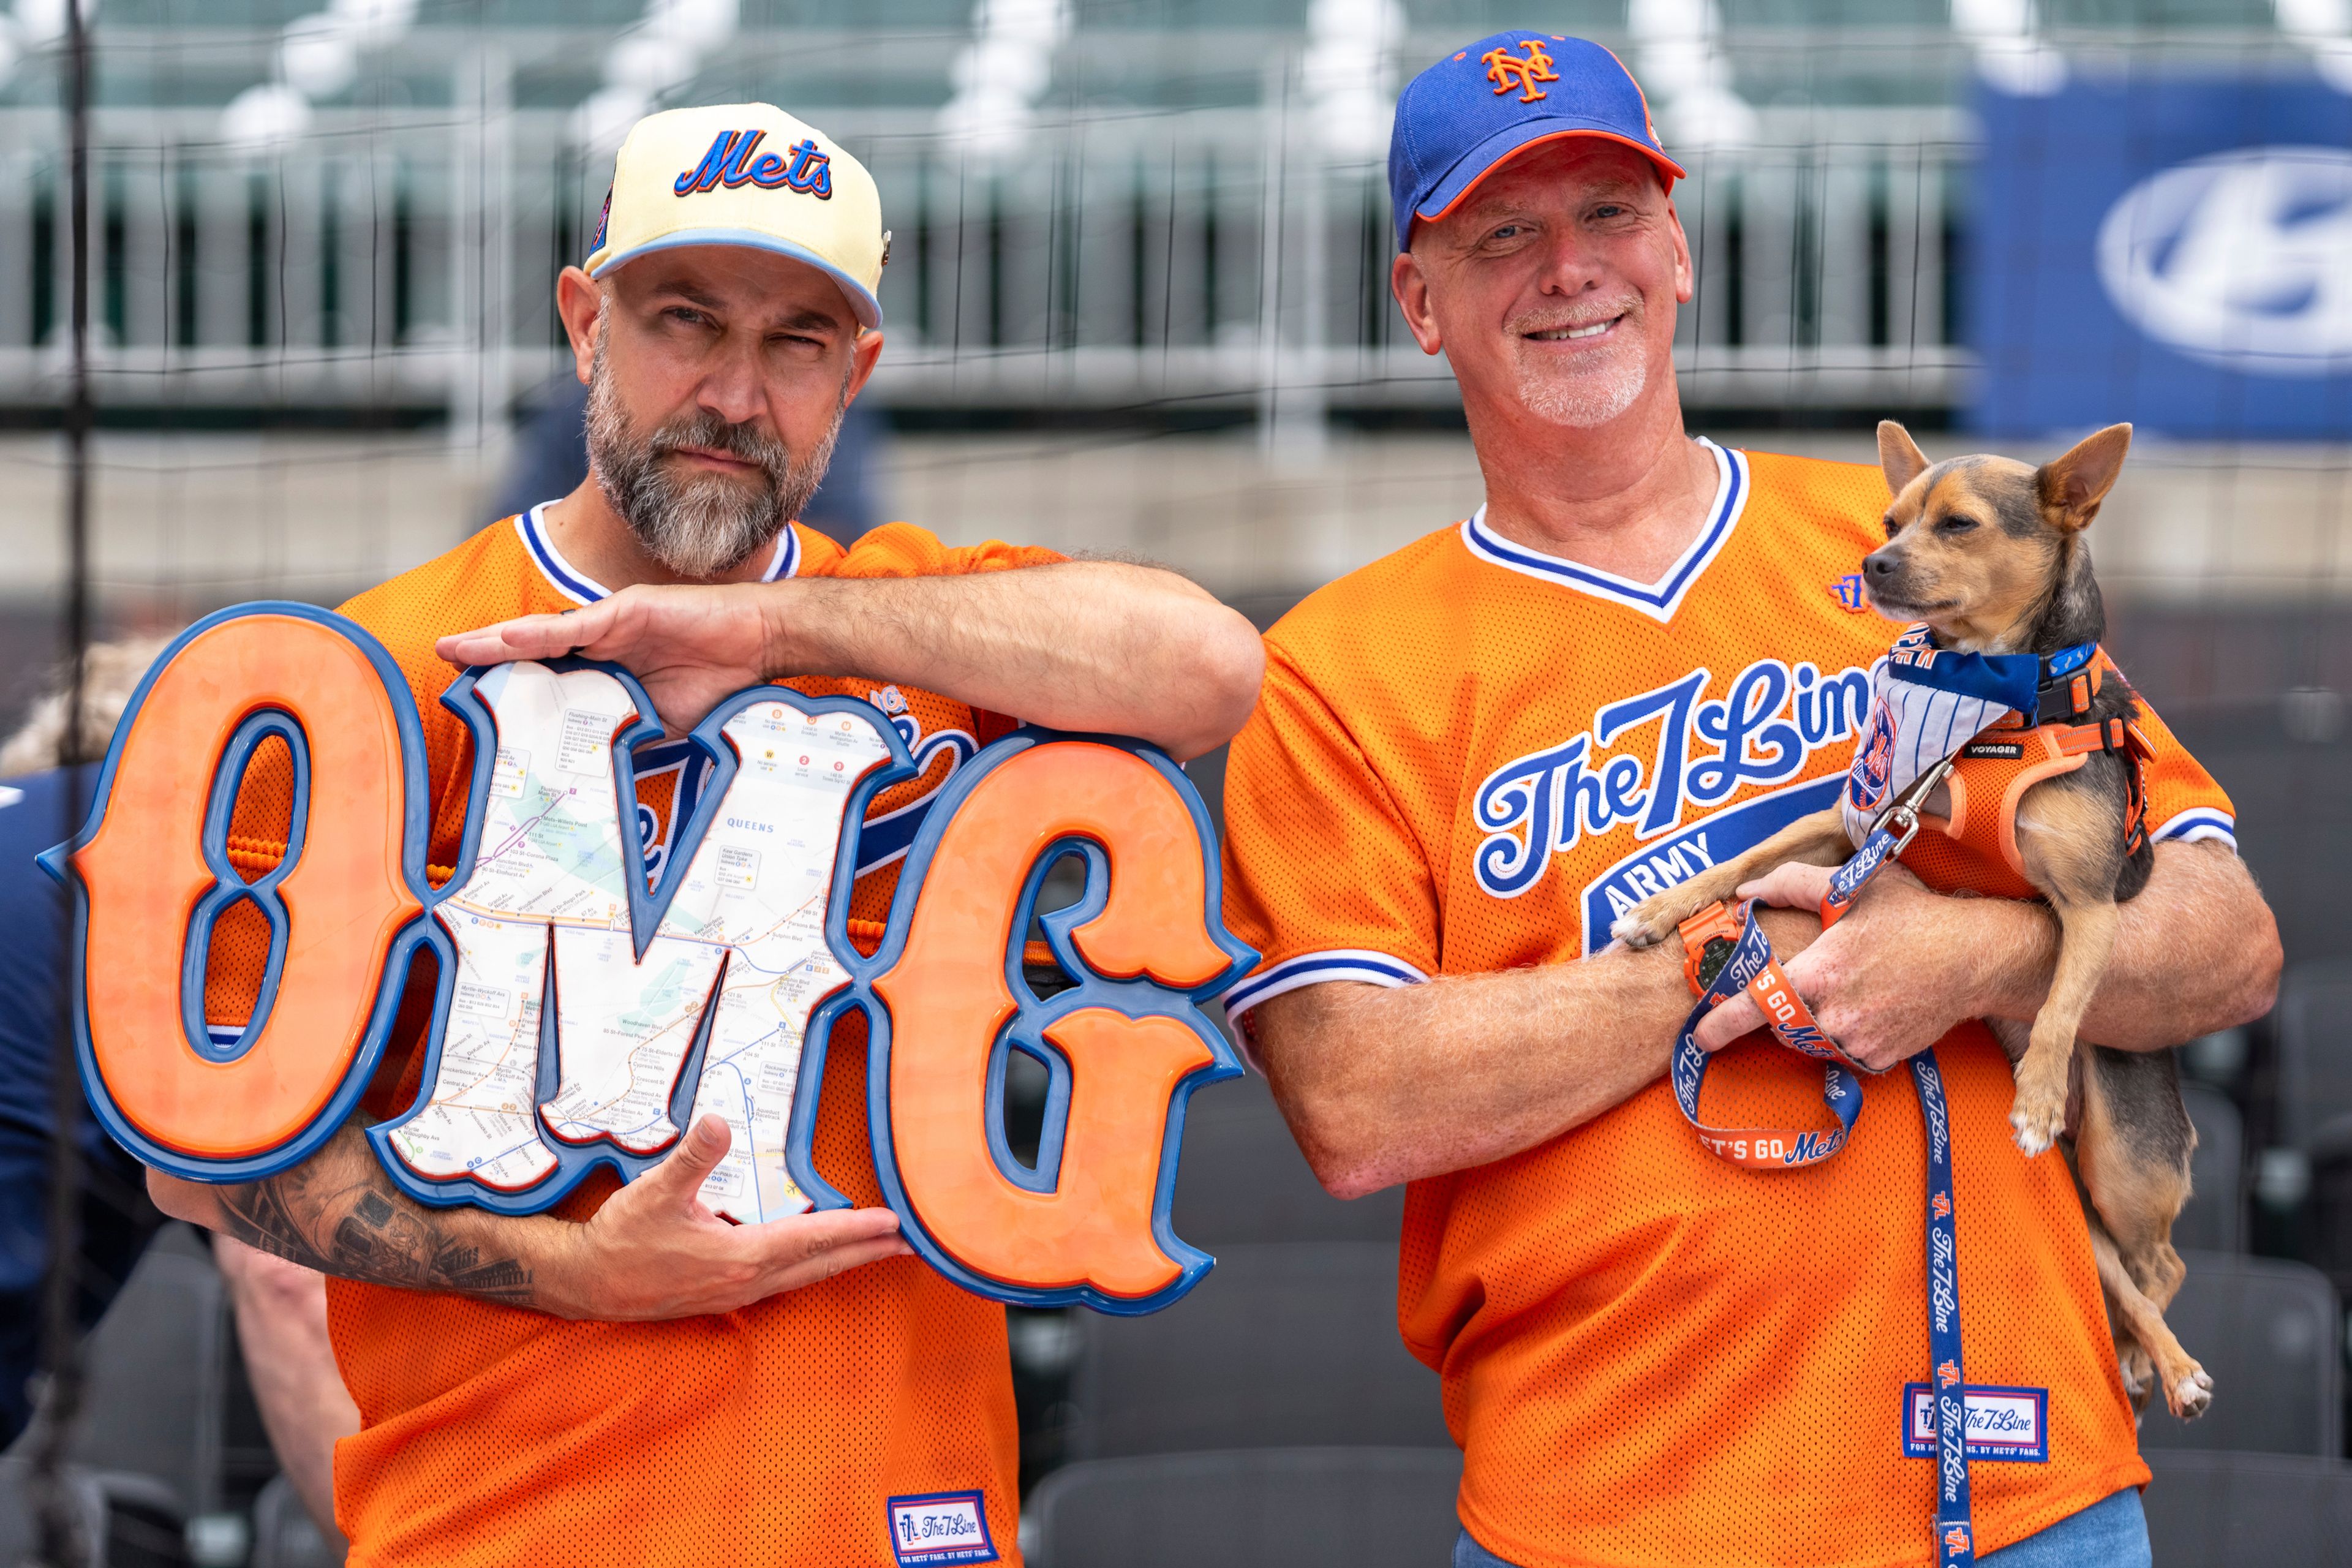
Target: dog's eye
(1955, 523)
(1892, 527)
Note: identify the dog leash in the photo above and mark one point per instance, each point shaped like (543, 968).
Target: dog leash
(1726, 953)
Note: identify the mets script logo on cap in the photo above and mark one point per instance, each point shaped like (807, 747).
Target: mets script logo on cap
(745, 174)
(1487, 101)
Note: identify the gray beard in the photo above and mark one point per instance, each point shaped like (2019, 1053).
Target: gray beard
(1585, 401)
(706, 524)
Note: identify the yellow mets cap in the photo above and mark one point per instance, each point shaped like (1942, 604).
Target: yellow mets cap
(745, 174)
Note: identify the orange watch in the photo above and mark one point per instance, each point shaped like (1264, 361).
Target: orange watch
(1709, 938)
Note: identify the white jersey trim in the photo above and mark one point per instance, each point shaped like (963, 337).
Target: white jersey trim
(1657, 600)
(1314, 969)
(576, 585)
(2198, 823)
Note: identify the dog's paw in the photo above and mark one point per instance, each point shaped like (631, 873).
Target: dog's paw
(2036, 1119)
(1646, 924)
(2138, 1374)
(2192, 1394)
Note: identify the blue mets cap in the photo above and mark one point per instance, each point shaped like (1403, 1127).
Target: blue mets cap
(1471, 111)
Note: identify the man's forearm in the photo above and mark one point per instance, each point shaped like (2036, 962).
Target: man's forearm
(338, 1213)
(1083, 645)
(2197, 950)
(1384, 1084)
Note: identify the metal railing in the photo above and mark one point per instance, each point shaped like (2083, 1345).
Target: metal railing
(398, 264)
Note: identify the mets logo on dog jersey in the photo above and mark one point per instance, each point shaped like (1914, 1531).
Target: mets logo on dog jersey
(1652, 758)
(1873, 761)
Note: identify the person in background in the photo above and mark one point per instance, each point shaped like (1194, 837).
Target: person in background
(280, 1307)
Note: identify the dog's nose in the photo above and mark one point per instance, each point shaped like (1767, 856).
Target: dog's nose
(1879, 564)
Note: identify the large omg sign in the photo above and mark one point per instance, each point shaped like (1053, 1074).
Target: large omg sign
(586, 1012)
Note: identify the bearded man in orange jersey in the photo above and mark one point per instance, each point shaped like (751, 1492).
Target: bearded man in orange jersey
(628, 1378)
(1471, 756)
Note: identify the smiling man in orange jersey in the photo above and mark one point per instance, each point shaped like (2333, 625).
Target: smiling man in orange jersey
(628, 1379)
(1641, 655)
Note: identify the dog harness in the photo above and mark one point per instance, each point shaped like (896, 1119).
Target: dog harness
(2007, 721)
(1936, 717)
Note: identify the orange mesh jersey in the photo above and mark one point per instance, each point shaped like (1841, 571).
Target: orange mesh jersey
(772, 1435)
(1469, 757)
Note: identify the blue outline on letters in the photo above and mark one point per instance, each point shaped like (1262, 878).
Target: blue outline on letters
(647, 905)
(415, 828)
(1138, 996)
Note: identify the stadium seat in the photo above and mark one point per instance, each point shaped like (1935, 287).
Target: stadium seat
(157, 1369)
(1284, 1345)
(124, 1521)
(2314, 1057)
(1242, 1180)
(2209, 1510)
(2214, 1220)
(283, 1535)
(1257, 1507)
(2267, 1331)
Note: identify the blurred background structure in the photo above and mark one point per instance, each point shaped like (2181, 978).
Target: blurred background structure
(1138, 302)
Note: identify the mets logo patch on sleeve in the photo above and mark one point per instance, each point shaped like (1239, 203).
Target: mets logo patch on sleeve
(941, 1527)
(2002, 1423)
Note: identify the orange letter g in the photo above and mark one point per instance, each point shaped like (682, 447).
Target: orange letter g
(1127, 1043)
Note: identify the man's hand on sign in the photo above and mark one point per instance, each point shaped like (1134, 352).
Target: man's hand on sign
(654, 1251)
(690, 647)
(1103, 646)
(1890, 979)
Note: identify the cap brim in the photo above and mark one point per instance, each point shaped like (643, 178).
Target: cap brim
(862, 303)
(1504, 145)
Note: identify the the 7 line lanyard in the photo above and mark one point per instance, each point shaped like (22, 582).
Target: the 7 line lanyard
(1726, 965)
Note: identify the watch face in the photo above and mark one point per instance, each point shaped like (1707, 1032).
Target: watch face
(1712, 958)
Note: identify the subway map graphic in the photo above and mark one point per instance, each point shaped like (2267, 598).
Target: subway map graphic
(737, 958)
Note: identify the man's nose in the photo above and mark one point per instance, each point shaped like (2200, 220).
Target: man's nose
(1570, 265)
(1880, 564)
(732, 387)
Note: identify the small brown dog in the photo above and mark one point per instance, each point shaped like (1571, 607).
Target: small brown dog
(1987, 552)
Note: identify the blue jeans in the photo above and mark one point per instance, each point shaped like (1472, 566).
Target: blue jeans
(2110, 1533)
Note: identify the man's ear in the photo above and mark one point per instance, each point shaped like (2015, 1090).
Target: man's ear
(1410, 287)
(580, 301)
(2073, 485)
(864, 354)
(1900, 456)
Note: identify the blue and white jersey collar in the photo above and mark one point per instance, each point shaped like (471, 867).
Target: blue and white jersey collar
(1657, 600)
(581, 588)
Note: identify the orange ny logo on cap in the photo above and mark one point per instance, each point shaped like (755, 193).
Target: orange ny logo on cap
(1507, 70)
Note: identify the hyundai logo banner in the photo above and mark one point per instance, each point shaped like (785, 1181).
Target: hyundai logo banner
(2172, 250)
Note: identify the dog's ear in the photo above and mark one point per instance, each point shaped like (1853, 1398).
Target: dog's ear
(2073, 485)
(1900, 456)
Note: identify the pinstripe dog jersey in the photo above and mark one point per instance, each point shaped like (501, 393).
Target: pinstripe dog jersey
(1470, 756)
(1925, 704)
(781, 1433)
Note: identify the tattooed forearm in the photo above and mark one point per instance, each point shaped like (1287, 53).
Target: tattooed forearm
(339, 1214)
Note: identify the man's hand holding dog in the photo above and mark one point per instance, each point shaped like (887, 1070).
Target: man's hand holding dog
(2197, 950)
(1904, 966)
